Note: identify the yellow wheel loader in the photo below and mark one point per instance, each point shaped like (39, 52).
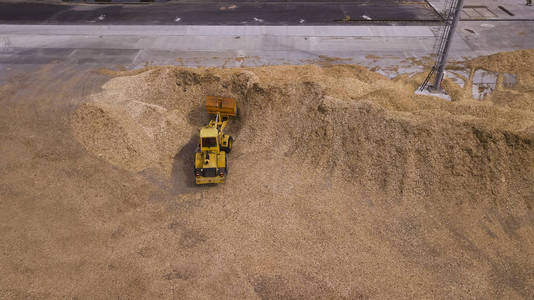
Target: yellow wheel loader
(211, 157)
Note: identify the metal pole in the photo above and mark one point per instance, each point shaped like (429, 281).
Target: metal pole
(441, 68)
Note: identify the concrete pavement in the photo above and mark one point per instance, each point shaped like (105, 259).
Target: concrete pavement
(208, 45)
(385, 47)
(495, 10)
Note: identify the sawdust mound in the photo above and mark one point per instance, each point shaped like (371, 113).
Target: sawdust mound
(342, 122)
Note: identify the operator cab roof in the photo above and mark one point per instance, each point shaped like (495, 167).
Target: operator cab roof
(208, 132)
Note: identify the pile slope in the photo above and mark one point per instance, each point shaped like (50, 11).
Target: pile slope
(339, 122)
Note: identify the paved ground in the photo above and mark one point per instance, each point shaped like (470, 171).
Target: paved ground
(92, 42)
(133, 46)
(218, 13)
(496, 10)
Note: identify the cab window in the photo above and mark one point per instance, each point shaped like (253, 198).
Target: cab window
(209, 142)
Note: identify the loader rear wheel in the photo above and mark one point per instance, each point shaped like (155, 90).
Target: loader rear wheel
(230, 140)
(226, 163)
(228, 147)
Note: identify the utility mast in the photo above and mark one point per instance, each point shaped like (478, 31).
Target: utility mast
(451, 17)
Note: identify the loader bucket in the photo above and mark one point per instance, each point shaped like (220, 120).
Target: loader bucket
(223, 105)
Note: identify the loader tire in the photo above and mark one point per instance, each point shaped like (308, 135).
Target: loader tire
(226, 163)
(229, 148)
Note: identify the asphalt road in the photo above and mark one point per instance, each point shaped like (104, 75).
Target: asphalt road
(219, 13)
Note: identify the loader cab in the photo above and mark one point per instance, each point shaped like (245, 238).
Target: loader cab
(209, 140)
